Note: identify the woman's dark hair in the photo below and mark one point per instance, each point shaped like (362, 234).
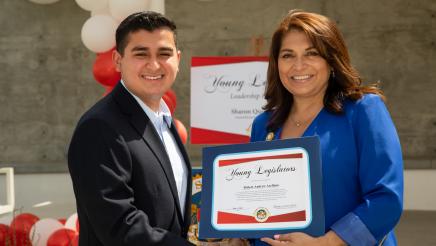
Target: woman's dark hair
(147, 20)
(326, 38)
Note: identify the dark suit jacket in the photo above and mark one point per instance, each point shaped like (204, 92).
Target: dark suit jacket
(122, 177)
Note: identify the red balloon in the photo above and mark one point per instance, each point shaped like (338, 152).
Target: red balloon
(108, 90)
(173, 96)
(75, 240)
(62, 220)
(171, 105)
(77, 225)
(21, 226)
(62, 237)
(104, 69)
(6, 235)
(181, 129)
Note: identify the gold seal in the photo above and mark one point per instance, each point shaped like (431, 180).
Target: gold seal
(270, 136)
(261, 214)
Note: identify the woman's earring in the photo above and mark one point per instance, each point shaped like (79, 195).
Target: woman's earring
(332, 73)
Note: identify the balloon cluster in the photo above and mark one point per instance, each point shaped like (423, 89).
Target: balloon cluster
(28, 230)
(98, 32)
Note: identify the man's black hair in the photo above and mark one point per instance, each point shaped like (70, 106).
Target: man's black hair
(147, 20)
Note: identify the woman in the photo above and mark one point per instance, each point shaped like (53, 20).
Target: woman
(312, 89)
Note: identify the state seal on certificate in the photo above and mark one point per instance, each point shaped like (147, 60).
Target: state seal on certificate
(261, 189)
(261, 214)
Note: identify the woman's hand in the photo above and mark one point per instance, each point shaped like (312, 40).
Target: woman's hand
(302, 239)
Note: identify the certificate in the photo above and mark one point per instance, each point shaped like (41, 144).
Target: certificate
(260, 189)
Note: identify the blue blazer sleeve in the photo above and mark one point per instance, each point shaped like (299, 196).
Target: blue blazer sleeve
(380, 169)
(380, 173)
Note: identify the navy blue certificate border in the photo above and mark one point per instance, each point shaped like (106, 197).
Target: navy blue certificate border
(310, 144)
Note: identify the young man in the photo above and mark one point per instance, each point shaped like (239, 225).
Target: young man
(131, 174)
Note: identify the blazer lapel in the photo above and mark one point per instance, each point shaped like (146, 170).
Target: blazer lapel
(145, 129)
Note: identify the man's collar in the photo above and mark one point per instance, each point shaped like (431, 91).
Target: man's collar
(164, 111)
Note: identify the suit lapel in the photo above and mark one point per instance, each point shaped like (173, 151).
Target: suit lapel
(187, 212)
(145, 129)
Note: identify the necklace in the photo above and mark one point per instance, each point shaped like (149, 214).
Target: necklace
(297, 123)
(306, 120)
(301, 123)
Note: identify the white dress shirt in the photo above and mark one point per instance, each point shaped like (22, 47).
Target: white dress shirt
(162, 122)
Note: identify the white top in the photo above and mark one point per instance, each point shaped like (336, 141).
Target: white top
(162, 122)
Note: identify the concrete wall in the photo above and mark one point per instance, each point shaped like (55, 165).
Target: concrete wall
(46, 73)
(419, 189)
(46, 82)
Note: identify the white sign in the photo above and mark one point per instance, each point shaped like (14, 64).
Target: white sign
(226, 95)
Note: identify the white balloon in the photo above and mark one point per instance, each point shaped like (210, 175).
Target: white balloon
(42, 230)
(157, 6)
(103, 11)
(71, 222)
(120, 9)
(44, 1)
(98, 33)
(92, 5)
(6, 219)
